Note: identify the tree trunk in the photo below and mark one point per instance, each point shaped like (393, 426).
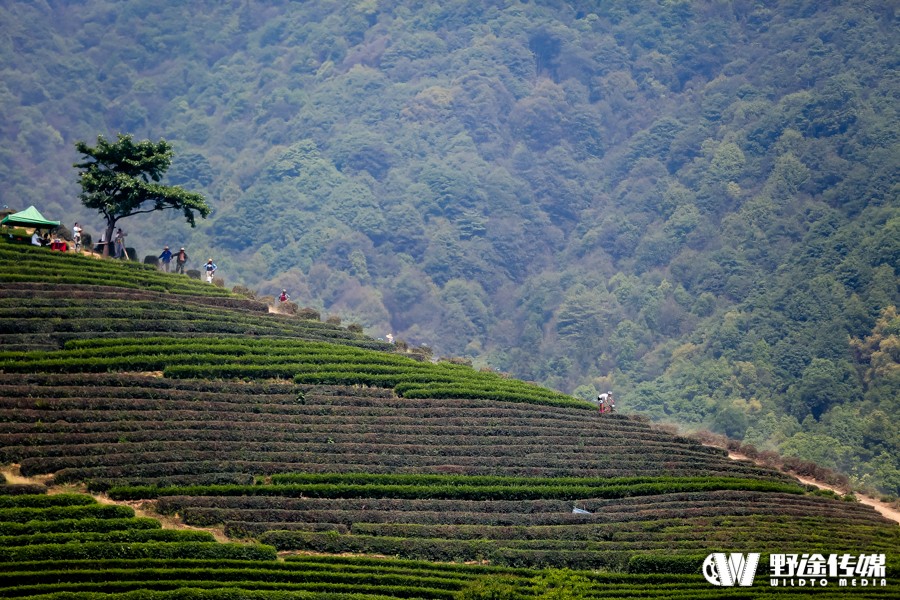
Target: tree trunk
(110, 227)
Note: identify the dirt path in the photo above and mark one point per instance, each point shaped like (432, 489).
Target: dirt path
(885, 509)
(14, 478)
(142, 508)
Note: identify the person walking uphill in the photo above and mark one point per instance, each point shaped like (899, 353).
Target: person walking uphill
(166, 258)
(210, 270)
(180, 258)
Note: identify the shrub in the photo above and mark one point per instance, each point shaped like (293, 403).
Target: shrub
(458, 360)
(193, 273)
(309, 314)
(24, 515)
(10, 489)
(467, 488)
(333, 320)
(665, 563)
(769, 458)
(709, 438)
(750, 451)
(561, 584)
(288, 308)
(97, 525)
(116, 537)
(355, 328)
(423, 351)
(243, 290)
(151, 259)
(44, 500)
(95, 550)
(491, 588)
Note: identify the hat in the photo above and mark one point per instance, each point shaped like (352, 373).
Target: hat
(210, 260)
(166, 248)
(182, 248)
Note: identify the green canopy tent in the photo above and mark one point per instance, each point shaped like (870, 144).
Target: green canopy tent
(30, 217)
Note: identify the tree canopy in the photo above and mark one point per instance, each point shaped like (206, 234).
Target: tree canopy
(121, 179)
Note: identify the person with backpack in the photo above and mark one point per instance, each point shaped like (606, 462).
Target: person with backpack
(210, 270)
(180, 258)
(166, 258)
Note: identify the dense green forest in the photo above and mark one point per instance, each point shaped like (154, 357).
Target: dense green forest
(692, 203)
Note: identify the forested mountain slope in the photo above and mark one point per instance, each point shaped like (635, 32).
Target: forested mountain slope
(691, 203)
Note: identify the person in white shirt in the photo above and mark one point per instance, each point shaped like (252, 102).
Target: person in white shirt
(604, 401)
(76, 236)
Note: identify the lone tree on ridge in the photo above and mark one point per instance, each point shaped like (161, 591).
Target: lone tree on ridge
(119, 179)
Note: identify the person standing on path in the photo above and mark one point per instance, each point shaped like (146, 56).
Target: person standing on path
(76, 236)
(180, 259)
(119, 240)
(166, 258)
(210, 270)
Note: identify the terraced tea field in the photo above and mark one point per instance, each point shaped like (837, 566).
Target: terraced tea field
(295, 436)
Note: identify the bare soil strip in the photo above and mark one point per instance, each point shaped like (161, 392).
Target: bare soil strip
(885, 509)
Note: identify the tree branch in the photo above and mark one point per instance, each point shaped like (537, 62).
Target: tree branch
(149, 210)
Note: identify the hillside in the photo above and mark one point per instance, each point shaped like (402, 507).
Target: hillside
(293, 435)
(690, 202)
